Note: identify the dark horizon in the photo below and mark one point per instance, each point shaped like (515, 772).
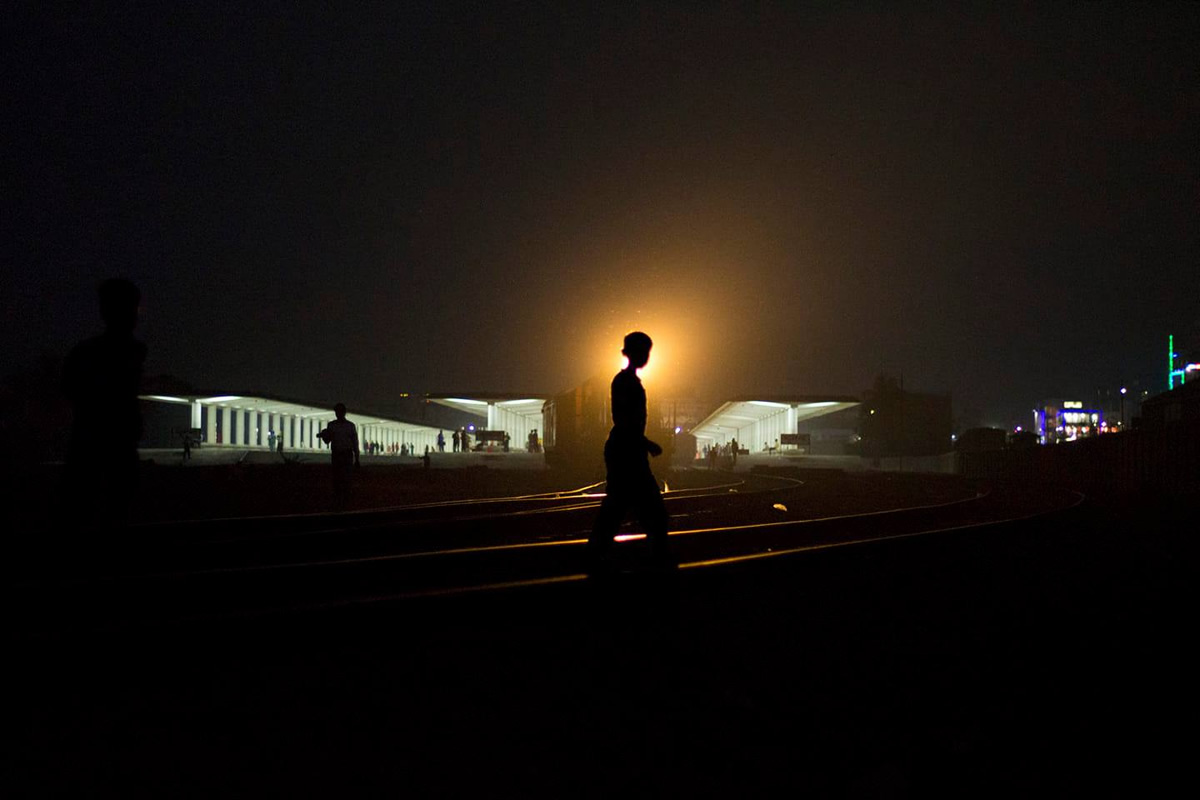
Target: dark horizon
(998, 203)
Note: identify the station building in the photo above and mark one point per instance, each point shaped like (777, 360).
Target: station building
(1067, 421)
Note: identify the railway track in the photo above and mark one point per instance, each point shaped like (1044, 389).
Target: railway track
(461, 551)
(281, 539)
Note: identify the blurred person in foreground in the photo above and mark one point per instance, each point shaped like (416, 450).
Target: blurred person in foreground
(631, 484)
(342, 437)
(101, 378)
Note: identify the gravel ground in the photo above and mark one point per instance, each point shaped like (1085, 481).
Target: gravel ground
(1031, 659)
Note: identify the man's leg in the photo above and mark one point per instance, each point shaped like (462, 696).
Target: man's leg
(652, 514)
(342, 466)
(608, 521)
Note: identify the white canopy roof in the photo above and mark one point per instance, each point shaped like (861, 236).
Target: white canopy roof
(528, 406)
(737, 414)
(274, 405)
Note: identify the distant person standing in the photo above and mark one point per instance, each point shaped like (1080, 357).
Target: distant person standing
(631, 484)
(342, 437)
(441, 441)
(101, 377)
(456, 441)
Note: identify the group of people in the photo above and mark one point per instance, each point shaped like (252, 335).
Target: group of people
(275, 441)
(460, 441)
(381, 449)
(713, 453)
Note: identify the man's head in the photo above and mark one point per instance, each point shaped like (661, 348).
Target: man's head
(119, 301)
(637, 349)
(340, 410)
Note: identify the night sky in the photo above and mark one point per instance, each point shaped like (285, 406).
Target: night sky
(355, 200)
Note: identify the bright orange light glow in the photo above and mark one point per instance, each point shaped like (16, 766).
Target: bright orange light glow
(668, 299)
(662, 362)
(643, 372)
(629, 537)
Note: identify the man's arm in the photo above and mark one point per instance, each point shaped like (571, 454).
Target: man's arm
(354, 428)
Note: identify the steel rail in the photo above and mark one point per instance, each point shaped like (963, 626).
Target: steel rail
(701, 564)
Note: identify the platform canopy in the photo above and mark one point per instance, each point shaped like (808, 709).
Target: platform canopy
(248, 420)
(518, 415)
(525, 405)
(758, 421)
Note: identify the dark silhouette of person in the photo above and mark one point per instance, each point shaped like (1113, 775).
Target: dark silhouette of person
(441, 441)
(342, 437)
(733, 451)
(187, 446)
(454, 437)
(631, 484)
(101, 377)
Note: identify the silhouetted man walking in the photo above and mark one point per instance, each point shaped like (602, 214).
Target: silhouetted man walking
(101, 377)
(342, 437)
(631, 484)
